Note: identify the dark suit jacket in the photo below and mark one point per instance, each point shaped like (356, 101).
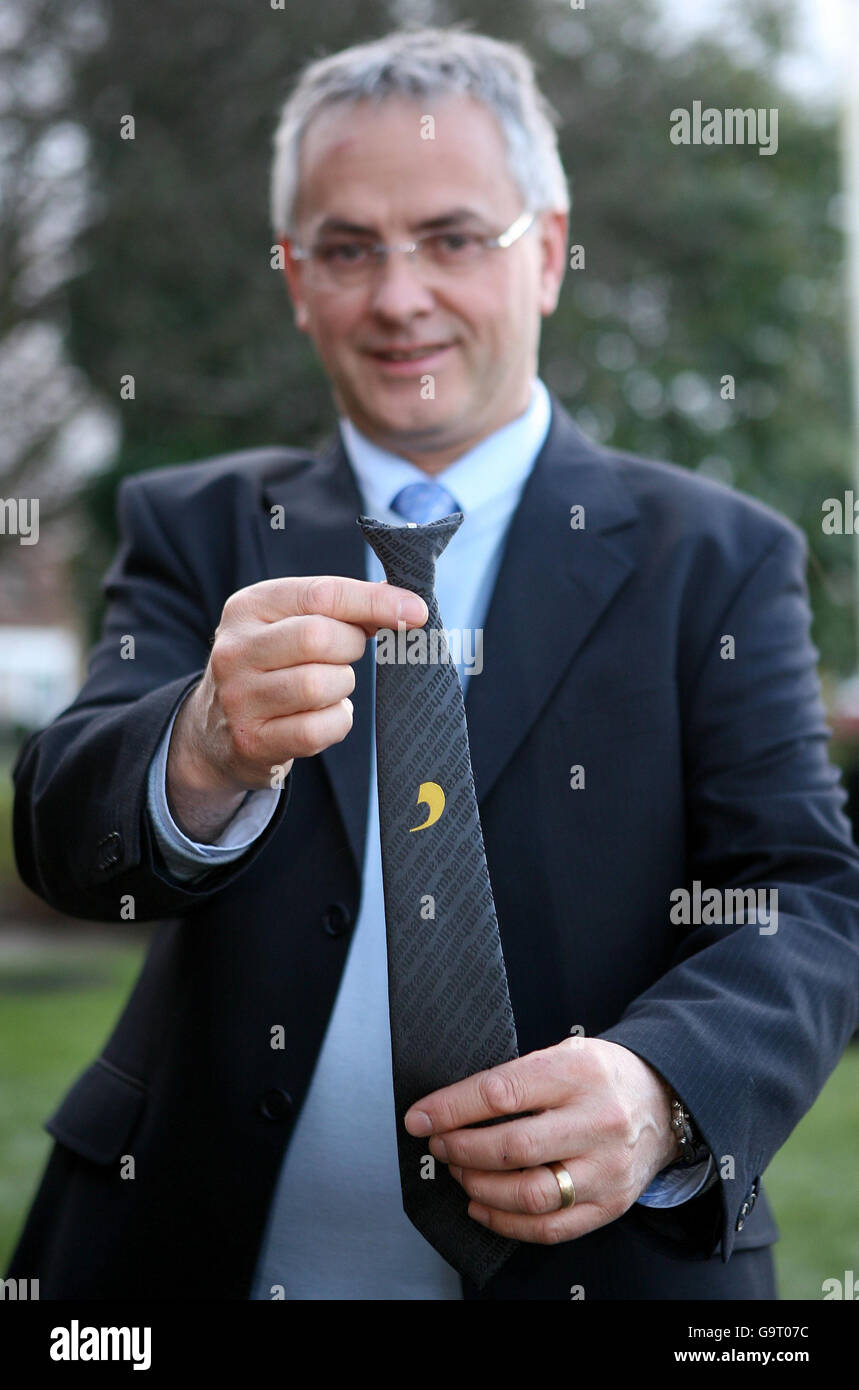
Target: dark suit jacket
(602, 648)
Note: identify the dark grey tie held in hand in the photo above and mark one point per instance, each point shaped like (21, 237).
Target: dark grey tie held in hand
(447, 986)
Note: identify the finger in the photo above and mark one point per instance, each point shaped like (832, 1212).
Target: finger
(539, 1079)
(557, 1226)
(530, 1191)
(273, 694)
(305, 735)
(521, 1143)
(302, 640)
(369, 604)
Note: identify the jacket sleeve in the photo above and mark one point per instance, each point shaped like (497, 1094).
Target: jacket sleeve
(752, 1017)
(188, 859)
(82, 834)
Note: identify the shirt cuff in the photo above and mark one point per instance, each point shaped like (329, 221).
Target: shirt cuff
(185, 858)
(678, 1184)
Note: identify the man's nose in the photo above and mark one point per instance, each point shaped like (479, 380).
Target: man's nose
(399, 287)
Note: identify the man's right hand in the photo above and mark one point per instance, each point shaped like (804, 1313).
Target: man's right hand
(276, 688)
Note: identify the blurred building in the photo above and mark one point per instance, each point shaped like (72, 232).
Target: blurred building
(41, 648)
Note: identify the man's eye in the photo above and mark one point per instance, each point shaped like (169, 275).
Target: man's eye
(454, 243)
(343, 253)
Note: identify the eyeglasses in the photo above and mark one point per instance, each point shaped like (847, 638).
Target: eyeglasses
(352, 262)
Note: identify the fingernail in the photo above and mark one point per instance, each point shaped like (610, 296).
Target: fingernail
(455, 1172)
(413, 609)
(419, 1122)
(478, 1213)
(440, 1149)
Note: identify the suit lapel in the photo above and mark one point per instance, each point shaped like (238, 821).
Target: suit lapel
(552, 587)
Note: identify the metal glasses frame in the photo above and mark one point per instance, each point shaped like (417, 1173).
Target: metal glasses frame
(381, 250)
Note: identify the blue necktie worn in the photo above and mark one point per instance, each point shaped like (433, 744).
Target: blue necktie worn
(422, 502)
(450, 1009)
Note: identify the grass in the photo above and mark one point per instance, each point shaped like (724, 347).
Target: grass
(8, 873)
(813, 1185)
(57, 1008)
(60, 1004)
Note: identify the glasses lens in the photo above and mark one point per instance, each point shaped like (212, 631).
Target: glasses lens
(354, 262)
(344, 262)
(452, 250)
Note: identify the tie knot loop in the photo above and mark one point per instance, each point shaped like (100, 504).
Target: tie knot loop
(408, 553)
(422, 502)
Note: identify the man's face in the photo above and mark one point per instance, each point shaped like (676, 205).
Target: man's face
(367, 167)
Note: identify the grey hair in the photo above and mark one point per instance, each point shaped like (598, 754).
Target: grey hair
(427, 62)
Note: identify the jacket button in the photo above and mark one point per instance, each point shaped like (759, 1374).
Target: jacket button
(275, 1105)
(109, 850)
(336, 919)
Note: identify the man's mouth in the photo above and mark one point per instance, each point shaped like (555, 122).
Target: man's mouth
(410, 354)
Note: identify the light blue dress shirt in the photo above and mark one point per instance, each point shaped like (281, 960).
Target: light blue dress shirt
(336, 1228)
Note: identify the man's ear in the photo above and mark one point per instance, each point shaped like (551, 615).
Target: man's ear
(553, 252)
(292, 276)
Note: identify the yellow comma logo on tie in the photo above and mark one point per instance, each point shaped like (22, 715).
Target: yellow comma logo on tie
(430, 794)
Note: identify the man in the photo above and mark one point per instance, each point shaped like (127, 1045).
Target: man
(647, 719)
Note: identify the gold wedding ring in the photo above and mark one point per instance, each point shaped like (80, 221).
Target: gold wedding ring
(565, 1183)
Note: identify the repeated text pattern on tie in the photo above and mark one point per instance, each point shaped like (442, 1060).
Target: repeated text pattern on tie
(450, 1008)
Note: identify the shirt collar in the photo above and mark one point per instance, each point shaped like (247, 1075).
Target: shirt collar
(477, 477)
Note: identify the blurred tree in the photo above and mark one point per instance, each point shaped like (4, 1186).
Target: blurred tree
(701, 262)
(54, 427)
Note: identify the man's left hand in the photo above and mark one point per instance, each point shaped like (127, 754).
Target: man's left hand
(598, 1109)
